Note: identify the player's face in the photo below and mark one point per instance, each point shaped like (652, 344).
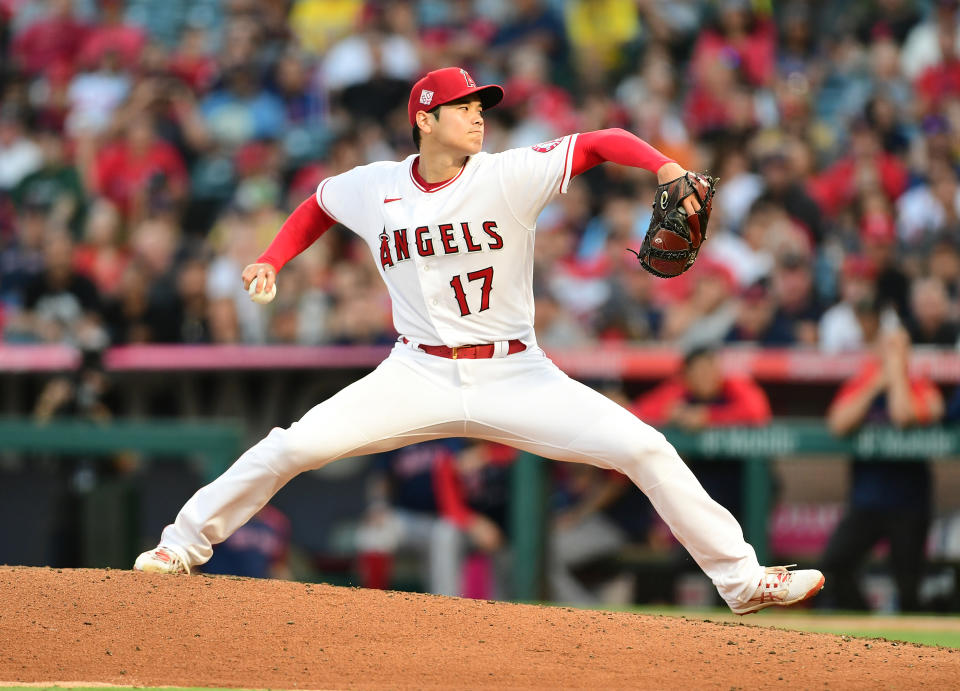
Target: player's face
(460, 126)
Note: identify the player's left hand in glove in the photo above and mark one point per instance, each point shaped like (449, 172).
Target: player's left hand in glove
(681, 210)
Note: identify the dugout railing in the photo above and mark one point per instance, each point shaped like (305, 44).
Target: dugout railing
(755, 447)
(218, 444)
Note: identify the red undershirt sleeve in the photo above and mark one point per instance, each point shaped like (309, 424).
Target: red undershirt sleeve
(301, 229)
(746, 404)
(654, 407)
(616, 145)
(450, 499)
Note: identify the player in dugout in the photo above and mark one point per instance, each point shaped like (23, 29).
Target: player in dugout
(451, 230)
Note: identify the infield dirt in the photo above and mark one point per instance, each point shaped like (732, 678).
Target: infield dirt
(126, 628)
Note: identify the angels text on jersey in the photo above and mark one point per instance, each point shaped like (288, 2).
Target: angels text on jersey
(440, 239)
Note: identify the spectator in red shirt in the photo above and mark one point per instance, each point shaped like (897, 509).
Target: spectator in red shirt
(111, 35)
(50, 42)
(140, 171)
(700, 397)
(888, 499)
(192, 62)
(101, 257)
(867, 166)
(941, 81)
(741, 37)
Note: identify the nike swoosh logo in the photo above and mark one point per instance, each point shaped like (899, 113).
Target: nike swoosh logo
(387, 200)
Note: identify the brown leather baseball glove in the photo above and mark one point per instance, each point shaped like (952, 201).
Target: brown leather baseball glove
(673, 239)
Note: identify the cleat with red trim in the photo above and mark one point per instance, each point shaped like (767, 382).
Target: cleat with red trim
(782, 587)
(161, 560)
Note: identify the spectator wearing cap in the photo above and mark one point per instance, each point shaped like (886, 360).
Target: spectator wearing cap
(759, 320)
(839, 326)
(878, 238)
(888, 499)
(700, 396)
(797, 299)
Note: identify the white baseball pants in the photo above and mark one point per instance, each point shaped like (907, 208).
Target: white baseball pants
(522, 400)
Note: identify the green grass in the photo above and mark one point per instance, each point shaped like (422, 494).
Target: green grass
(926, 630)
(947, 639)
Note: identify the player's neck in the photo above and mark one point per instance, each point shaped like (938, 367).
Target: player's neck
(439, 165)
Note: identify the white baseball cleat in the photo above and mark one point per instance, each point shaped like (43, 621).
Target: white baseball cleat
(161, 560)
(781, 587)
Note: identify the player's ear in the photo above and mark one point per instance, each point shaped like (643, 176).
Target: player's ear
(425, 122)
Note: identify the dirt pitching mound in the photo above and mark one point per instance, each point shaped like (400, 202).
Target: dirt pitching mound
(126, 628)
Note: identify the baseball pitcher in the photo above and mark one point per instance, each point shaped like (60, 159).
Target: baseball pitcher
(451, 231)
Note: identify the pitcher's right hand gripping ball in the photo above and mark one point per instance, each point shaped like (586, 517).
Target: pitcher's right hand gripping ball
(256, 278)
(673, 239)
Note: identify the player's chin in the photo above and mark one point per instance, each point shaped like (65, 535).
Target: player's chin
(473, 143)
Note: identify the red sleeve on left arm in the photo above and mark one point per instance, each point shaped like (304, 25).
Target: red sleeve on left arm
(616, 145)
(450, 499)
(746, 404)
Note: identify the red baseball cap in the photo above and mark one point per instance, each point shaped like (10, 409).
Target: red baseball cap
(446, 85)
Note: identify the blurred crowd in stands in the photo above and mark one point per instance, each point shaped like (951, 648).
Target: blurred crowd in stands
(150, 149)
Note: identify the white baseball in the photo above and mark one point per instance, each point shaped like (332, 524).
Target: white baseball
(261, 297)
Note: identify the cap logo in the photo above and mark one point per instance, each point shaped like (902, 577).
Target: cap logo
(468, 79)
(426, 97)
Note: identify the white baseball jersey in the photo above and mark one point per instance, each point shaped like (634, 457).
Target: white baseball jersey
(457, 259)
